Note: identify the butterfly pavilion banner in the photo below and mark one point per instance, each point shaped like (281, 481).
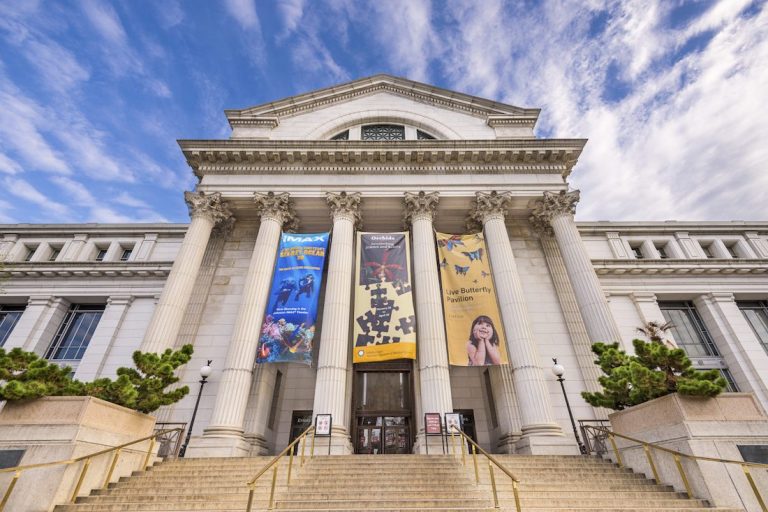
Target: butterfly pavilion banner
(385, 325)
(288, 331)
(472, 321)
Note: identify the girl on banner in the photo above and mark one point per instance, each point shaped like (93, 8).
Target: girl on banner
(483, 344)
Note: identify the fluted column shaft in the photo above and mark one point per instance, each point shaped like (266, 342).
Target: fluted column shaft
(334, 359)
(232, 396)
(206, 211)
(434, 376)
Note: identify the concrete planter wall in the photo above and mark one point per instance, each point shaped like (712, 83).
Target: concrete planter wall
(707, 427)
(59, 428)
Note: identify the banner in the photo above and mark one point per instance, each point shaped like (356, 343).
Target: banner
(385, 326)
(472, 321)
(289, 321)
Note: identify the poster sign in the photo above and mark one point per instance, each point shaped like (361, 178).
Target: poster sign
(288, 330)
(385, 325)
(323, 424)
(433, 424)
(452, 422)
(472, 321)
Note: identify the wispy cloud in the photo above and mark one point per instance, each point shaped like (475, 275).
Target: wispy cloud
(24, 190)
(244, 13)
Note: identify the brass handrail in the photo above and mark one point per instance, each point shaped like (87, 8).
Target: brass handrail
(649, 447)
(18, 470)
(275, 462)
(491, 459)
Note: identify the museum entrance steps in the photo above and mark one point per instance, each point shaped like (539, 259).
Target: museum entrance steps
(388, 483)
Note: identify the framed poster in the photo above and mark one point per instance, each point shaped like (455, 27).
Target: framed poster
(452, 422)
(323, 424)
(433, 424)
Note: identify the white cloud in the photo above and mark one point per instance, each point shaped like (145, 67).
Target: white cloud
(128, 200)
(292, 12)
(105, 20)
(170, 12)
(5, 217)
(107, 215)
(24, 190)
(8, 165)
(244, 13)
(76, 190)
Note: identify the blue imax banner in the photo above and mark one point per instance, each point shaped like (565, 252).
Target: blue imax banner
(289, 321)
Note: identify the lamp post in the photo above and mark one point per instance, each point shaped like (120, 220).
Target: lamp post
(205, 372)
(559, 371)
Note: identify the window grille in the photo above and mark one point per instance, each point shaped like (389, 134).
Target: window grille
(9, 316)
(75, 332)
(423, 135)
(383, 132)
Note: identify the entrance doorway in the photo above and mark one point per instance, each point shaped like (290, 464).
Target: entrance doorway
(382, 407)
(300, 421)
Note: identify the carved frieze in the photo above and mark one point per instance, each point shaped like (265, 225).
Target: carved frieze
(420, 205)
(207, 205)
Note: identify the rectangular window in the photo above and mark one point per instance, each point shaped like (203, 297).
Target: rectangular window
(731, 384)
(637, 252)
(54, 254)
(273, 405)
(30, 252)
(75, 332)
(756, 314)
(491, 401)
(662, 251)
(732, 250)
(125, 255)
(9, 316)
(707, 251)
(688, 329)
(101, 254)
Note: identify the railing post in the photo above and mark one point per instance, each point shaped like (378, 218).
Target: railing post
(517, 496)
(111, 468)
(463, 451)
(272, 490)
(80, 479)
(250, 500)
(683, 476)
(149, 454)
(303, 445)
(312, 447)
(649, 456)
(474, 458)
(8, 491)
(751, 483)
(493, 486)
(616, 450)
(290, 465)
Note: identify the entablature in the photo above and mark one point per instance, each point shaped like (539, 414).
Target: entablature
(86, 269)
(670, 267)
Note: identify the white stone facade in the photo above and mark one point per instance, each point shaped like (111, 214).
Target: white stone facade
(561, 285)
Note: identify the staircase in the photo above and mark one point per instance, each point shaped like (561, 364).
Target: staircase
(388, 483)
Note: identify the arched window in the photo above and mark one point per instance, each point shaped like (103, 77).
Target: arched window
(341, 136)
(423, 135)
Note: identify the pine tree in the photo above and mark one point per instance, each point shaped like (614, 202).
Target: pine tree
(25, 375)
(656, 369)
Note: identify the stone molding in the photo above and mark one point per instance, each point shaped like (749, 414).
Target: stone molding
(420, 205)
(87, 269)
(277, 206)
(487, 205)
(554, 205)
(210, 205)
(347, 204)
(679, 267)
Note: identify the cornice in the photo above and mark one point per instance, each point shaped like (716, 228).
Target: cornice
(321, 157)
(86, 269)
(680, 267)
(103, 230)
(670, 227)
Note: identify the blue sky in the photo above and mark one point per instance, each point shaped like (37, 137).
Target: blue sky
(671, 95)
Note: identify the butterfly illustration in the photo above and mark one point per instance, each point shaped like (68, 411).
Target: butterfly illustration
(444, 263)
(452, 242)
(461, 271)
(475, 281)
(474, 255)
(483, 273)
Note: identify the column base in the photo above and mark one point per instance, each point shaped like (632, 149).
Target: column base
(546, 445)
(507, 442)
(219, 443)
(436, 446)
(340, 443)
(259, 445)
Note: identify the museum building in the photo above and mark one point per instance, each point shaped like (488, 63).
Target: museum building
(384, 155)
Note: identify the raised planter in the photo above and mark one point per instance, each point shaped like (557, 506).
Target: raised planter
(705, 427)
(59, 428)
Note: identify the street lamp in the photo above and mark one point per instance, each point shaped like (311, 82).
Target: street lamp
(559, 371)
(205, 372)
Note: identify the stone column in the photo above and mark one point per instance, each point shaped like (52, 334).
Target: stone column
(38, 324)
(540, 432)
(224, 434)
(333, 360)
(434, 376)
(206, 211)
(557, 210)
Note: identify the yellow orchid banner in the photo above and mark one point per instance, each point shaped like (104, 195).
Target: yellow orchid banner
(472, 320)
(385, 325)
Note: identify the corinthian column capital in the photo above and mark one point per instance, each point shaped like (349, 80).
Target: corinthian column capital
(420, 205)
(488, 205)
(345, 204)
(278, 207)
(554, 205)
(211, 206)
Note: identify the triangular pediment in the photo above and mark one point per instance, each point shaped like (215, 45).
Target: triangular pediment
(485, 109)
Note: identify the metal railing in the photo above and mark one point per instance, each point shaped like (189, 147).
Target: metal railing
(601, 434)
(170, 441)
(491, 462)
(275, 464)
(86, 460)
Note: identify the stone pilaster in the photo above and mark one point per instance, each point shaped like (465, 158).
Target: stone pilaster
(206, 210)
(557, 209)
(334, 358)
(224, 434)
(434, 376)
(100, 346)
(540, 431)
